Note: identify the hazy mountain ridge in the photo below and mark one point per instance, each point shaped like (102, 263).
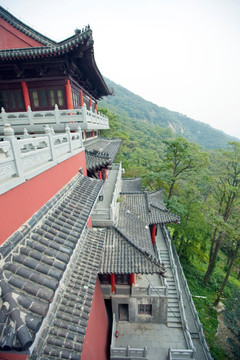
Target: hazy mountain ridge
(138, 108)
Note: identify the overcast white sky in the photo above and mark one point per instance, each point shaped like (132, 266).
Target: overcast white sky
(180, 54)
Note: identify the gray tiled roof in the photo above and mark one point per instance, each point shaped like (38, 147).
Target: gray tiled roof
(65, 329)
(95, 160)
(156, 199)
(131, 185)
(101, 152)
(35, 258)
(149, 208)
(123, 256)
(134, 227)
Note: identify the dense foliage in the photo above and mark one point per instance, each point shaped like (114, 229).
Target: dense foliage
(203, 188)
(136, 108)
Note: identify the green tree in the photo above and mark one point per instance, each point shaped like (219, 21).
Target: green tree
(180, 160)
(226, 185)
(191, 234)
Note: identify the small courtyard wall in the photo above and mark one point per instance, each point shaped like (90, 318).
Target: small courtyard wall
(159, 308)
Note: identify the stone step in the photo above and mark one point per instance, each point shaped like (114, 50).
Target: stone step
(174, 325)
(173, 307)
(174, 315)
(172, 299)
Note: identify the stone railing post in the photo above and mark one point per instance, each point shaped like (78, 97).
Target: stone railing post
(67, 130)
(84, 113)
(79, 130)
(30, 115)
(26, 134)
(56, 114)
(49, 134)
(149, 290)
(4, 116)
(145, 351)
(9, 136)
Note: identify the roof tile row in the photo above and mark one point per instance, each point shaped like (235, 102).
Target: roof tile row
(33, 268)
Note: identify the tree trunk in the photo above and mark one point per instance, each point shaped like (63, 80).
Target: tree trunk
(213, 258)
(171, 190)
(180, 246)
(227, 274)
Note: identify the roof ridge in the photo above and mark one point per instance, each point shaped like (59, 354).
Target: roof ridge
(65, 45)
(29, 31)
(144, 252)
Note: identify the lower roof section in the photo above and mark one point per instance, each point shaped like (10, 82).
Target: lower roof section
(101, 152)
(123, 256)
(64, 329)
(36, 257)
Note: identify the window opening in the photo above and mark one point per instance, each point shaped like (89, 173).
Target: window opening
(145, 309)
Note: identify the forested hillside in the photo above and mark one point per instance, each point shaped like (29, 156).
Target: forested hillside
(124, 101)
(203, 188)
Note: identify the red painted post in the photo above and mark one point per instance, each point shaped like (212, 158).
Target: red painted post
(90, 102)
(81, 98)
(93, 133)
(69, 95)
(112, 277)
(132, 279)
(105, 174)
(100, 175)
(90, 222)
(96, 107)
(153, 234)
(25, 95)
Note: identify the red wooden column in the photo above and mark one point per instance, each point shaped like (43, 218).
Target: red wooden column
(153, 234)
(92, 133)
(100, 175)
(25, 94)
(132, 279)
(90, 102)
(96, 108)
(105, 173)
(81, 98)
(90, 222)
(112, 277)
(69, 94)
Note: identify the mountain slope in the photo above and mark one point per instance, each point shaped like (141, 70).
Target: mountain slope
(138, 108)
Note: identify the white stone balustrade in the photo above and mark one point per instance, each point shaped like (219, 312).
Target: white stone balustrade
(150, 291)
(22, 159)
(124, 352)
(35, 120)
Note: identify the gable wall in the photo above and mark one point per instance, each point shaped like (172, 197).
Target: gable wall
(11, 38)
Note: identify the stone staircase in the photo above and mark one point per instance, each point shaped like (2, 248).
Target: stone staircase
(173, 316)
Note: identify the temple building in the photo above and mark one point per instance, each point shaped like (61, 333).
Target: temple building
(87, 267)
